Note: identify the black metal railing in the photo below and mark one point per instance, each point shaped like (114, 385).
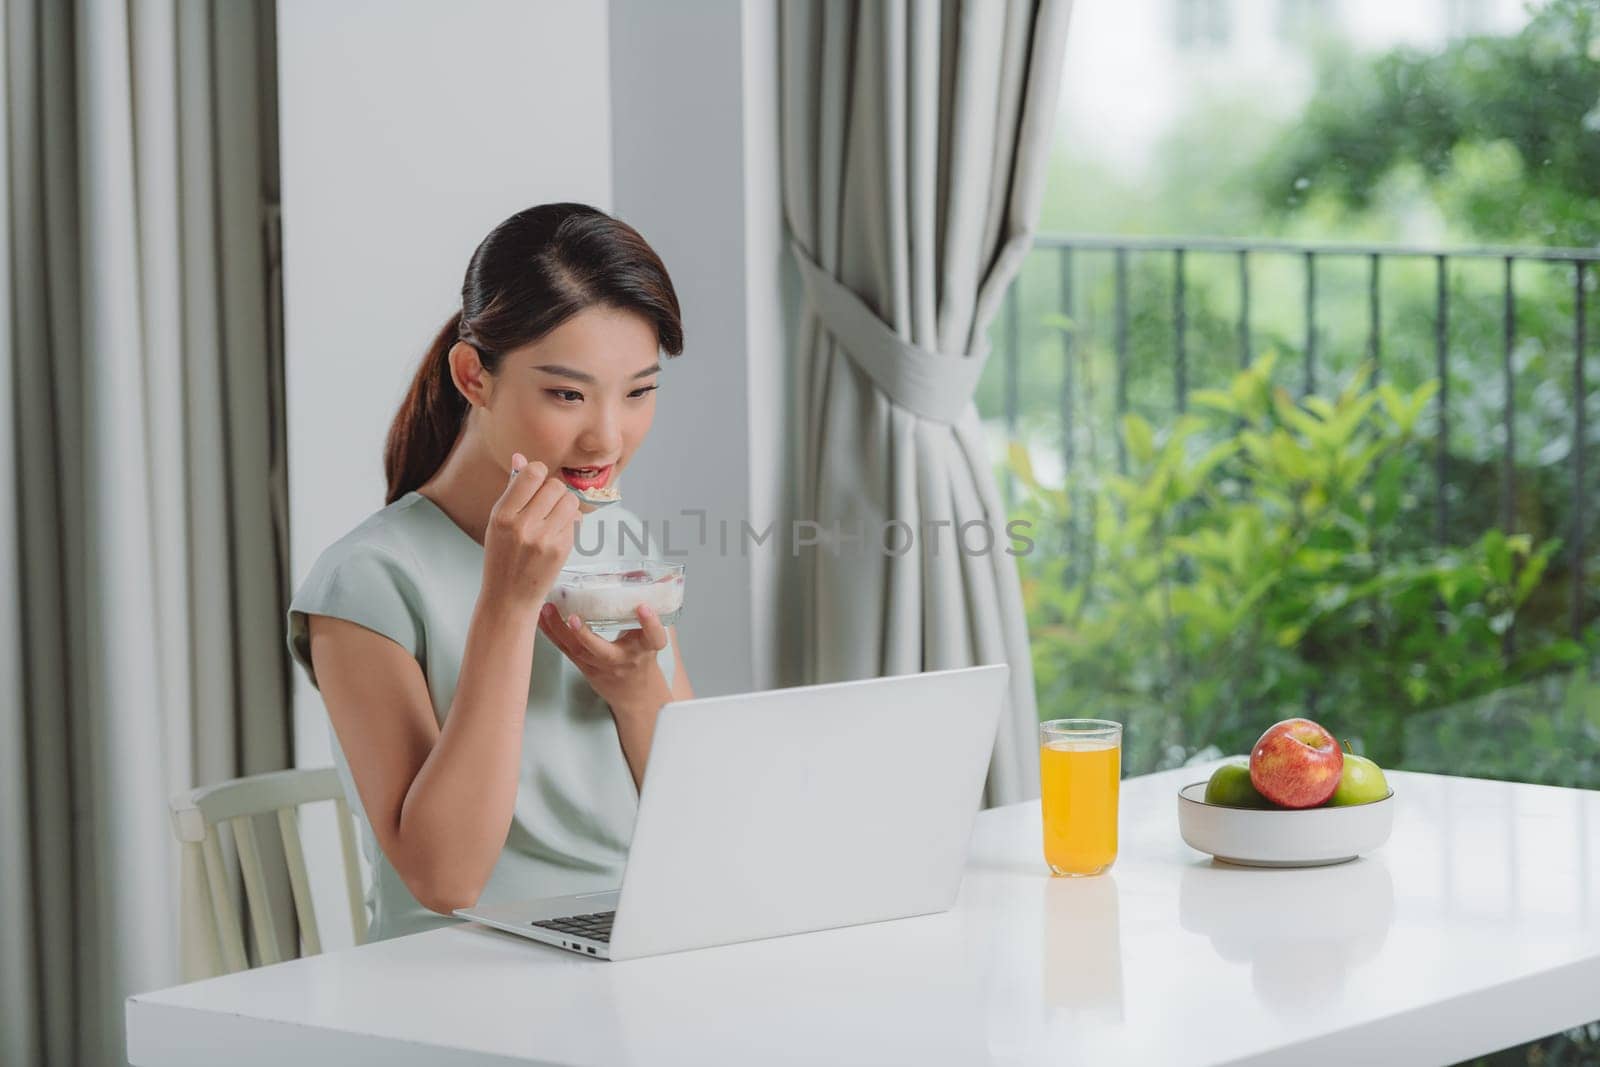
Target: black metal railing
(1244, 252)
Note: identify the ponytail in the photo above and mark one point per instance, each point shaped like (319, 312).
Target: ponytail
(429, 420)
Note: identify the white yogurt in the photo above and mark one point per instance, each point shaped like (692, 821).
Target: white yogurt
(609, 594)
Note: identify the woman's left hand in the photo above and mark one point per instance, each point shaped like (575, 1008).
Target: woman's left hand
(624, 671)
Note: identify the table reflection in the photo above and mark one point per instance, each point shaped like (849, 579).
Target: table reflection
(833, 988)
(1083, 948)
(1301, 934)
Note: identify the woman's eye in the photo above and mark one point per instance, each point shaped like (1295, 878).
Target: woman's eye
(641, 392)
(569, 395)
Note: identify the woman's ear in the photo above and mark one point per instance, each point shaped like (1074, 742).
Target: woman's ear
(470, 378)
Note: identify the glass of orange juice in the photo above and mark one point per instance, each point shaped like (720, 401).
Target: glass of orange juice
(1080, 768)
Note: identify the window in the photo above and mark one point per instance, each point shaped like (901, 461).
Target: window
(1202, 24)
(1163, 407)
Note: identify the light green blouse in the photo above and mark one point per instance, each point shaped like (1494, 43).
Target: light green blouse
(411, 574)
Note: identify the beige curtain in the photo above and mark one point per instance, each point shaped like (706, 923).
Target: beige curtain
(915, 142)
(143, 566)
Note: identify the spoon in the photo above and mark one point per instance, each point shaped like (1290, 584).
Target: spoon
(596, 502)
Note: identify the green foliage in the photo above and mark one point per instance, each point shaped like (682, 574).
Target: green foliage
(1496, 140)
(1545, 731)
(1252, 565)
(1503, 131)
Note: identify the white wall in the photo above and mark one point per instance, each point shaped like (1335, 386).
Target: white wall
(408, 129)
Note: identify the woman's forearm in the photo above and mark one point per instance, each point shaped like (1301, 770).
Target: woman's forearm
(636, 727)
(456, 814)
(635, 730)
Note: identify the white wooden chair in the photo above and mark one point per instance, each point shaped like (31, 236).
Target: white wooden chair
(213, 940)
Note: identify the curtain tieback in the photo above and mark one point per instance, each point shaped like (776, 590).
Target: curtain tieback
(934, 385)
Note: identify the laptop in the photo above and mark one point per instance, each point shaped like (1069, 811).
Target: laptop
(787, 811)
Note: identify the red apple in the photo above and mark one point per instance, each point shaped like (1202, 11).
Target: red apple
(1296, 764)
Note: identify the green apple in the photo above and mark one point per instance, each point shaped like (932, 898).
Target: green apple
(1230, 786)
(1362, 782)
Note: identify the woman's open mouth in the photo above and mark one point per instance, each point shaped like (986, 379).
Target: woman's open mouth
(586, 477)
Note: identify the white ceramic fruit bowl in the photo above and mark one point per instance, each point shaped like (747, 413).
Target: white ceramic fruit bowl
(1282, 837)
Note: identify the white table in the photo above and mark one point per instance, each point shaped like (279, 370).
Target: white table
(1476, 927)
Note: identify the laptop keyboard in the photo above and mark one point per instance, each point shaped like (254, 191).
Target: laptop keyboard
(596, 927)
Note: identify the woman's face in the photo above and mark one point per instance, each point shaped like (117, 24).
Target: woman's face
(580, 399)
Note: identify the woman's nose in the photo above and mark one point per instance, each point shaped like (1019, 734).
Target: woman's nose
(603, 433)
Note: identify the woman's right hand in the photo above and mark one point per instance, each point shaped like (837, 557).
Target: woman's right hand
(529, 536)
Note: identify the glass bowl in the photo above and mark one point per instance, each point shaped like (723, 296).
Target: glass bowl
(606, 594)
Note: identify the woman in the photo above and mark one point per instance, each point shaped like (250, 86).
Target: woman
(491, 749)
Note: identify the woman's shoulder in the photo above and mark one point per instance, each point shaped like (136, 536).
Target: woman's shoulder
(395, 534)
(370, 576)
(381, 560)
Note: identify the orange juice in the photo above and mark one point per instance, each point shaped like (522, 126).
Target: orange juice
(1078, 783)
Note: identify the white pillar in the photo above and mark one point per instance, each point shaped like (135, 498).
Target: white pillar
(695, 167)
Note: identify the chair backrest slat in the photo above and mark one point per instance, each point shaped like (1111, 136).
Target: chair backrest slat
(228, 929)
(294, 855)
(213, 935)
(255, 889)
(352, 871)
(199, 945)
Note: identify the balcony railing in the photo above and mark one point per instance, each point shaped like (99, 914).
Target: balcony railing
(1183, 256)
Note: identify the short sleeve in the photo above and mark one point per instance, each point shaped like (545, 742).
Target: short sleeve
(363, 584)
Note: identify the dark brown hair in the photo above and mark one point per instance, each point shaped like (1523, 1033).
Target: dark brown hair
(533, 272)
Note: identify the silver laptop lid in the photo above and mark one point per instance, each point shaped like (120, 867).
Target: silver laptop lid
(807, 808)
